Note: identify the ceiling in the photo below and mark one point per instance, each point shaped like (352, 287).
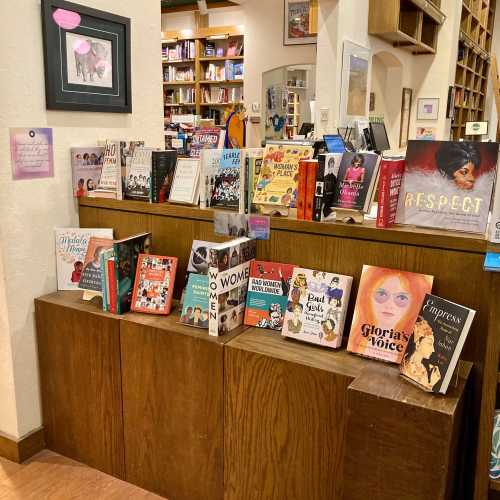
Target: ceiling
(191, 4)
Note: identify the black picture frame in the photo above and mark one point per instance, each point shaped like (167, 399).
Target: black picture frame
(94, 73)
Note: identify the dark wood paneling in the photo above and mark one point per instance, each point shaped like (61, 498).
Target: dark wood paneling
(400, 441)
(79, 357)
(173, 407)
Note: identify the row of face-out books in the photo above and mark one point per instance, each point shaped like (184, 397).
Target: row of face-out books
(396, 319)
(439, 184)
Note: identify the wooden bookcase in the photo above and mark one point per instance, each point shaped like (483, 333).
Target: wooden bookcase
(222, 36)
(473, 63)
(412, 25)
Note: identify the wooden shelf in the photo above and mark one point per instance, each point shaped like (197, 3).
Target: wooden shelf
(494, 485)
(221, 59)
(180, 83)
(208, 104)
(183, 61)
(218, 82)
(179, 105)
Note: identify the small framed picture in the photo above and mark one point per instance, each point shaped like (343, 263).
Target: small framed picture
(428, 108)
(476, 128)
(87, 58)
(300, 22)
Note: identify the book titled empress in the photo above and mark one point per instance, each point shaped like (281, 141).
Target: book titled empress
(317, 306)
(228, 277)
(355, 186)
(387, 306)
(71, 248)
(267, 295)
(154, 284)
(436, 343)
(448, 185)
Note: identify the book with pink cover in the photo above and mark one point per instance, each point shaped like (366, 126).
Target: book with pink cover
(387, 307)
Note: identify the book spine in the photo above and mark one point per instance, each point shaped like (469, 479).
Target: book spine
(112, 285)
(320, 189)
(383, 198)
(153, 194)
(173, 271)
(213, 302)
(301, 190)
(103, 283)
(248, 183)
(243, 185)
(494, 229)
(312, 170)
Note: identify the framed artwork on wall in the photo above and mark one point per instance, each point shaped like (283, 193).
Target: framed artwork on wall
(405, 117)
(300, 22)
(87, 58)
(428, 108)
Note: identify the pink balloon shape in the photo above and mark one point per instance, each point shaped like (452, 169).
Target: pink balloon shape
(81, 47)
(66, 19)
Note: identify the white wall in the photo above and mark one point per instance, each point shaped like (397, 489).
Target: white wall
(32, 208)
(225, 16)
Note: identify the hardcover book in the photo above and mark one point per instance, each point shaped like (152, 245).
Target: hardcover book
(356, 181)
(195, 306)
(138, 182)
(317, 307)
(253, 164)
(301, 190)
(495, 448)
(106, 256)
(267, 295)
(448, 185)
(389, 187)
(109, 183)
(71, 250)
(154, 284)
(91, 279)
(162, 175)
(210, 162)
(436, 343)
(226, 188)
(387, 306)
(127, 253)
(228, 277)
(311, 175)
(204, 138)
(326, 182)
(279, 174)
(86, 165)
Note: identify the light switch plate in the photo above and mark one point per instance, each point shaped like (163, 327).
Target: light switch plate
(323, 114)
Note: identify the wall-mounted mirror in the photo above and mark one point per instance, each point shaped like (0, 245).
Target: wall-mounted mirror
(288, 97)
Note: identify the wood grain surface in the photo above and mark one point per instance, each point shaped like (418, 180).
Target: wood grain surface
(79, 357)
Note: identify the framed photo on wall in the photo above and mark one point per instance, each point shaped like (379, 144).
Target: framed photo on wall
(428, 108)
(300, 22)
(405, 117)
(87, 58)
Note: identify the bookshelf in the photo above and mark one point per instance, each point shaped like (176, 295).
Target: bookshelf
(293, 113)
(473, 63)
(199, 76)
(411, 25)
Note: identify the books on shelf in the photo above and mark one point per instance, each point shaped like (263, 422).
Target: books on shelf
(267, 294)
(71, 246)
(162, 175)
(389, 187)
(154, 284)
(180, 95)
(183, 49)
(86, 166)
(435, 344)
(138, 179)
(195, 304)
(222, 95)
(326, 182)
(448, 185)
(387, 306)
(210, 162)
(228, 277)
(225, 192)
(175, 73)
(317, 307)
(186, 184)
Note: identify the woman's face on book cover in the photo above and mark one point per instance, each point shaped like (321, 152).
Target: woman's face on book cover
(464, 177)
(390, 301)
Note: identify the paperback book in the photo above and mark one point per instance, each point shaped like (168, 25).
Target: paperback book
(356, 181)
(162, 176)
(228, 277)
(495, 448)
(389, 187)
(127, 253)
(71, 250)
(326, 182)
(278, 178)
(317, 307)
(267, 295)
(435, 345)
(448, 185)
(387, 306)
(226, 189)
(91, 279)
(253, 163)
(204, 138)
(110, 180)
(86, 166)
(108, 301)
(195, 305)
(154, 284)
(138, 183)
(210, 162)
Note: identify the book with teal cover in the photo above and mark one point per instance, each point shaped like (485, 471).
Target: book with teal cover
(195, 306)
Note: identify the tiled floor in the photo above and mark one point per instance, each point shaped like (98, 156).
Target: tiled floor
(51, 476)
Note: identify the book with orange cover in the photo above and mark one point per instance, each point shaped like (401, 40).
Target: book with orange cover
(312, 171)
(301, 189)
(387, 306)
(154, 284)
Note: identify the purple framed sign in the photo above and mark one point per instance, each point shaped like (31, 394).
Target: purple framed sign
(31, 152)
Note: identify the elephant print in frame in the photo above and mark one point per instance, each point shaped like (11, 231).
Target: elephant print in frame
(87, 58)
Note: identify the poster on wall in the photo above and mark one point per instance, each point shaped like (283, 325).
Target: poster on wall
(405, 117)
(31, 152)
(426, 134)
(354, 94)
(300, 21)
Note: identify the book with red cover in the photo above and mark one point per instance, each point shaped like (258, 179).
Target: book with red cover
(312, 170)
(154, 284)
(112, 285)
(267, 294)
(389, 187)
(387, 306)
(301, 189)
